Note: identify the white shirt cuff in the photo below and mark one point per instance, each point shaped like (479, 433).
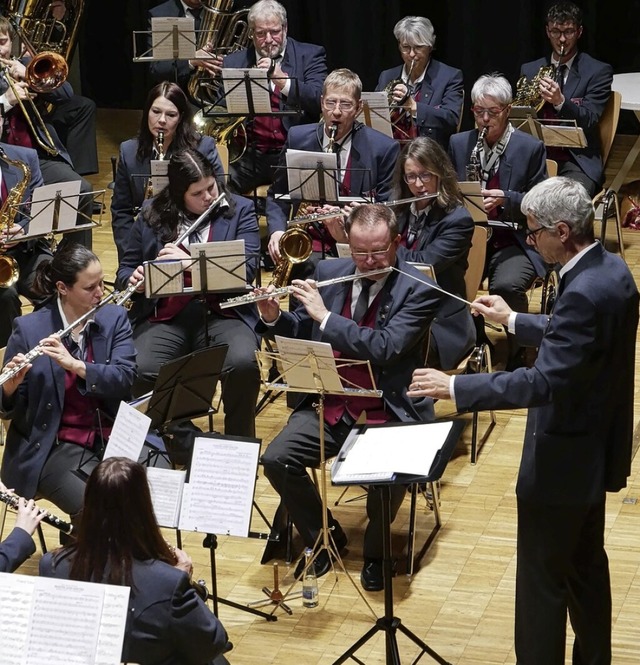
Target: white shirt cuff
(452, 381)
(323, 323)
(511, 325)
(273, 323)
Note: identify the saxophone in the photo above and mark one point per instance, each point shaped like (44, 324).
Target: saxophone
(474, 167)
(9, 270)
(159, 146)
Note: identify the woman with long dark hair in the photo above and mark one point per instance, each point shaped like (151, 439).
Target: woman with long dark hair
(61, 403)
(166, 110)
(437, 232)
(168, 623)
(167, 328)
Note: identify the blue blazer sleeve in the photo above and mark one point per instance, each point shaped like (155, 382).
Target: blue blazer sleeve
(15, 549)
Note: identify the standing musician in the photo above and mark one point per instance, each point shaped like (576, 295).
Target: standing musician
(579, 435)
(26, 254)
(429, 92)
(383, 319)
(119, 542)
(580, 92)
(18, 546)
(167, 328)
(509, 163)
(297, 71)
(62, 402)
(166, 110)
(437, 232)
(16, 130)
(366, 159)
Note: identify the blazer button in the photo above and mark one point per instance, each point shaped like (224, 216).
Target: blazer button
(94, 387)
(393, 393)
(44, 426)
(48, 407)
(37, 446)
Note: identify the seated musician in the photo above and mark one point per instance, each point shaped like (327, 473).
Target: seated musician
(429, 91)
(509, 163)
(366, 159)
(383, 319)
(579, 91)
(61, 403)
(437, 232)
(29, 132)
(119, 542)
(26, 254)
(170, 327)
(166, 110)
(18, 546)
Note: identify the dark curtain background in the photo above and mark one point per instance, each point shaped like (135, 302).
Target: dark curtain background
(359, 34)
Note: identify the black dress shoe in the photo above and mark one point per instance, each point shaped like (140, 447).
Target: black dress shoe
(371, 576)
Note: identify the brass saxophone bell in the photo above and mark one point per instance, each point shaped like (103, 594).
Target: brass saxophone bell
(9, 271)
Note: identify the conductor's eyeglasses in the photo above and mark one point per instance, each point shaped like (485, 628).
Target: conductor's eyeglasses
(479, 111)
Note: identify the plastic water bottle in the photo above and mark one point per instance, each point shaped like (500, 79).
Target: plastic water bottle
(309, 582)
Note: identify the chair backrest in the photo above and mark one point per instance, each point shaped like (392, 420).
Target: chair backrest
(223, 151)
(476, 259)
(461, 112)
(552, 168)
(609, 123)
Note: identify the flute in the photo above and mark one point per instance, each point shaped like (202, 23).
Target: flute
(13, 501)
(319, 216)
(194, 227)
(286, 290)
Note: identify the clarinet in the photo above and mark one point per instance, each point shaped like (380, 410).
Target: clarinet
(13, 501)
(473, 167)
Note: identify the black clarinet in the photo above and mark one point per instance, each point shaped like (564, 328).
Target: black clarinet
(13, 501)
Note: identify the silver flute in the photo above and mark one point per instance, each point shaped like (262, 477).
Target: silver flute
(319, 216)
(194, 227)
(13, 501)
(286, 290)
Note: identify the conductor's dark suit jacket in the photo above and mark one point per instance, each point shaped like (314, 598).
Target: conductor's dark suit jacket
(441, 97)
(395, 346)
(522, 165)
(579, 393)
(586, 91)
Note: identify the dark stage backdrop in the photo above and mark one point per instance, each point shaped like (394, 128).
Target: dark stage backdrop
(359, 34)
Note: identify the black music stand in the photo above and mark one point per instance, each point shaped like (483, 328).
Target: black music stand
(388, 623)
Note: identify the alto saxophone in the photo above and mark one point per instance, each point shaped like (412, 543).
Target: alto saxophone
(159, 146)
(474, 167)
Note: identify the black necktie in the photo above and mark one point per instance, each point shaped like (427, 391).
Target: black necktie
(362, 304)
(415, 226)
(196, 13)
(560, 74)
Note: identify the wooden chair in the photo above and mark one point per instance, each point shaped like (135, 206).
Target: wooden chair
(552, 168)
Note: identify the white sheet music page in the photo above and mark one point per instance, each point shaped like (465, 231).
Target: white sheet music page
(166, 487)
(304, 177)
(308, 365)
(376, 113)
(16, 593)
(112, 624)
(219, 496)
(236, 91)
(163, 278)
(162, 37)
(128, 433)
(43, 204)
(225, 264)
(407, 449)
(159, 177)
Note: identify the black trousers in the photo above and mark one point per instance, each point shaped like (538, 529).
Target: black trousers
(253, 169)
(562, 567)
(571, 170)
(286, 461)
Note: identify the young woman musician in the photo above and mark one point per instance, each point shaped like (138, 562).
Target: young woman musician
(437, 232)
(62, 401)
(167, 111)
(168, 623)
(167, 328)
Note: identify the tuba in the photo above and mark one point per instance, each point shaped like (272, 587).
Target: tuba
(9, 271)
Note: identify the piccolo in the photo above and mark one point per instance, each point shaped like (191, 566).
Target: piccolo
(194, 227)
(286, 290)
(13, 501)
(320, 216)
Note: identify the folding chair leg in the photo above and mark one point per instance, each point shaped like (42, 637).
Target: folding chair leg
(43, 544)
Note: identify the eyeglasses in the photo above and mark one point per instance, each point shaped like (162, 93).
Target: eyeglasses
(407, 48)
(531, 233)
(479, 111)
(411, 178)
(567, 34)
(261, 34)
(331, 104)
(374, 253)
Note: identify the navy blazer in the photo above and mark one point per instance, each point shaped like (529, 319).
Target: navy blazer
(578, 438)
(373, 159)
(167, 623)
(395, 346)
(35, 409)
(444, 243)
(441, 97)
(522, 165)
(131, 181)
(15, 549)
(586, 91)
(145, 244)
(306, 65)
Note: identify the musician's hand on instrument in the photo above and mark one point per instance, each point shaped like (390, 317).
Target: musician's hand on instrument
(268, 309)
(429, 383)
(15, 68)
(207, 61)
(22, 91)
(492, 198)
(278, 76)
(335, 225)
(550, 91)
(174, 253)
(29, 515)
(274, 246)
(136, 277)
(307, 293)
(58, 9)
(399, 93)
(53, 347)
(183, 561)
(14, 232)
(493, 308)
(11, 385)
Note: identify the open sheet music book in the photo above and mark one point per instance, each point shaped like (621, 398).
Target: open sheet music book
(58, 622)
(387, 453)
